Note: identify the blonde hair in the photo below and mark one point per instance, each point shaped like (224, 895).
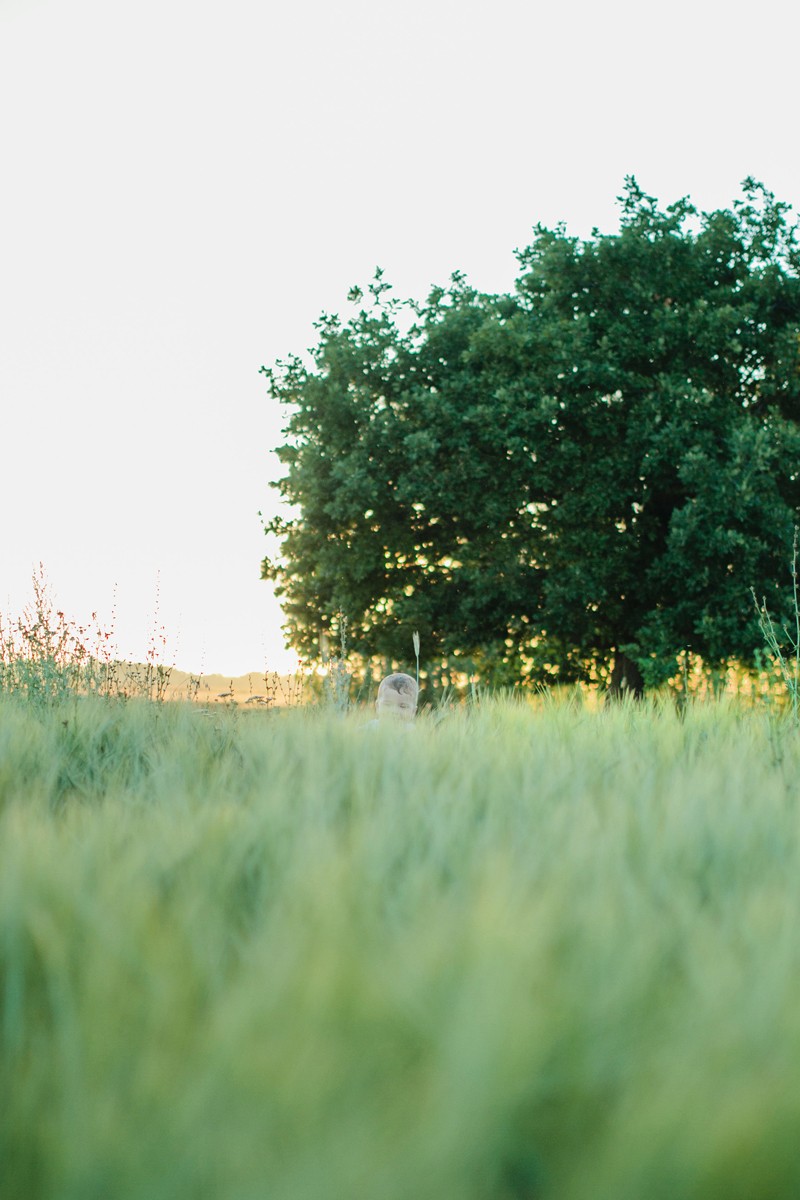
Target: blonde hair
(405, 685)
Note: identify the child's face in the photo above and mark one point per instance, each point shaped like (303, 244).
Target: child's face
(396, 707)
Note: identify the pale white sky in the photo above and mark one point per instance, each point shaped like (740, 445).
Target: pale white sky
(186, 185)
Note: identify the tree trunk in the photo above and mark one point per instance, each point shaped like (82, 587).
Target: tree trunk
(626, 678)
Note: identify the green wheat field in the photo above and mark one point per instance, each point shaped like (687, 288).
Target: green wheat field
(534, 950)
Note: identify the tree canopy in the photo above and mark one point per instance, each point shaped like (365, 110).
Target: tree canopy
(593, 468)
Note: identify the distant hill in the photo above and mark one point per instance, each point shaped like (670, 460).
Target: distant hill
(254, 689)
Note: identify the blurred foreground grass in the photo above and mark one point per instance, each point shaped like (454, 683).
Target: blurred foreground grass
(527, 953)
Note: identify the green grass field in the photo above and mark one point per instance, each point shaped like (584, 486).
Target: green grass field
(529, 952)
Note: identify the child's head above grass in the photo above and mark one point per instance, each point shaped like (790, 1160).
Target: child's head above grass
(397, 698)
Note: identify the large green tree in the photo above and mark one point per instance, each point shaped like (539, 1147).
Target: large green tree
(591, 470)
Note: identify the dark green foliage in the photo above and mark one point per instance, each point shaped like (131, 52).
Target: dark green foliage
(600, 464)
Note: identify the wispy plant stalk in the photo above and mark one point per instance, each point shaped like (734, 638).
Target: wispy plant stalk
(790, 670)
